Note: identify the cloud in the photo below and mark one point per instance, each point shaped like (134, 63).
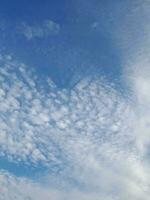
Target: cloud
(89, 138)
(27, 111)
(46, 29)
(92, 140)
(134, 38)
(22, 189)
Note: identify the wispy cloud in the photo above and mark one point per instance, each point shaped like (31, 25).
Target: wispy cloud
(45, 29)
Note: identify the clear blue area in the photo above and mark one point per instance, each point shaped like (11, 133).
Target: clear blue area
(83, 46)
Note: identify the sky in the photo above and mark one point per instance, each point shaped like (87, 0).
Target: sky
(74, 100)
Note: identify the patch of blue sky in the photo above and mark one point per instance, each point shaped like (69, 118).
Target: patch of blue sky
(21, 169)
(83, 45)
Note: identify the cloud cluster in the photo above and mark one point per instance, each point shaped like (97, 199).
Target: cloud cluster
(90, 137)
(34, 121)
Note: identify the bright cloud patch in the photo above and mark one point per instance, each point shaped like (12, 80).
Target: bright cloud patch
(88, 136)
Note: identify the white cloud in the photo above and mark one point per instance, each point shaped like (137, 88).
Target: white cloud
(22, 189)
(97, 138)
(92, 134)
(26, 112)
(134, 38)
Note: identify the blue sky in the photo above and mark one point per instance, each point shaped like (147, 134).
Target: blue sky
(83, 44)
(74, 100)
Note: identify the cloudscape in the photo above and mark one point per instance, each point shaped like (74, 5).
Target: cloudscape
(74, 100)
